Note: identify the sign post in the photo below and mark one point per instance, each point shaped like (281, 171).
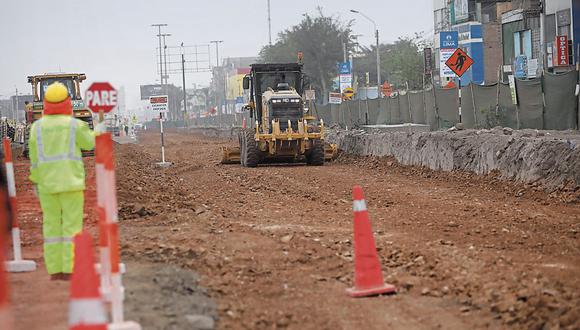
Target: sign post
(459, 63)
(160, 103)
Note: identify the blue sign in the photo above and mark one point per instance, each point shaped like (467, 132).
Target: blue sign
(344, 68)
(521, 67)
(449, 40)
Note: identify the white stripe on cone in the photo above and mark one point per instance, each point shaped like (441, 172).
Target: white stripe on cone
(359, 206)
(86, 312)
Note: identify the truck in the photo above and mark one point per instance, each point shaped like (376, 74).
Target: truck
(281, 130)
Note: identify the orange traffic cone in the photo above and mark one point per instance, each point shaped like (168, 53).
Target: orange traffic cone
(368, 279)
(86, 309)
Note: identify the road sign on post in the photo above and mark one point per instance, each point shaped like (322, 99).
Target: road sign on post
(160, 103)
(348, 93)
(459, 63)
(101, 96)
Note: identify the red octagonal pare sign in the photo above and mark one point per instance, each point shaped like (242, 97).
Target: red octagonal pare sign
(101, 96)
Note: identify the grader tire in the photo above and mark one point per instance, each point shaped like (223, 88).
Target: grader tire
(241, 139)
(251, 154)
(316, 155)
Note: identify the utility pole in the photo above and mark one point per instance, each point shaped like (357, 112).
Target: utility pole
(269, 25)
(183, 76)
(165, 55)
(542, 10)
(160, 51)
(380, 95)
(217, 60)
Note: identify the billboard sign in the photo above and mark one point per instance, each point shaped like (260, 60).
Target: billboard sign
(428, 60)
(344, 68)
(461, 9)
(562, 56)
(345, 82)
(449, 40)
(150, 90)
(448, 43)
(521, 67)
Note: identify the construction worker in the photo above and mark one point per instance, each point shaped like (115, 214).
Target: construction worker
(57, 170)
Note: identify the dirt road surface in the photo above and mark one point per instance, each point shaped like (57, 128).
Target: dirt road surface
(271, 247)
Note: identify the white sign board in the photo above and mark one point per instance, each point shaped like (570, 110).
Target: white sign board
(444, 70)
(159, 103)
(533, 66)
(310, 94)
(512, 81)
(345, 81)
(334, 98)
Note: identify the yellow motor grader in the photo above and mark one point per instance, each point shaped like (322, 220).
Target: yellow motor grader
(280, 129)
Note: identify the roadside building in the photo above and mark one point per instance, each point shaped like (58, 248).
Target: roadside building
(474, 26)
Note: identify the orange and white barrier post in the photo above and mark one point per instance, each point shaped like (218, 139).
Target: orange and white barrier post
(6, 321)
(110, 203)
(104, 267)
(86, 308)
(17, 265)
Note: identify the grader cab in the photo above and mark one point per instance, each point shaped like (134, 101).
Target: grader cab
(280, 130)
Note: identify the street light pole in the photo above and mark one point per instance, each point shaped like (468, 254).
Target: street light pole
(183, 76)
(378, 51)
(217, 61)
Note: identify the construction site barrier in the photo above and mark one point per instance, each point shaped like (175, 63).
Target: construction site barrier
(17, 265)
(107, 202)
(547, 103)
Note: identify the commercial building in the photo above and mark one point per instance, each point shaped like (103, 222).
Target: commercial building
(227, 83)
(478, 29)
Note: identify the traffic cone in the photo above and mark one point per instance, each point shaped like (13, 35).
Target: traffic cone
(18, 265)
(86, 309)
(368, 279)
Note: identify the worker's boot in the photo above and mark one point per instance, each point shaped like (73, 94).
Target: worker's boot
(56, 277)
(65, 277)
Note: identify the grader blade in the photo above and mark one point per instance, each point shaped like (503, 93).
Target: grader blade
(330, 151)
(231, 155)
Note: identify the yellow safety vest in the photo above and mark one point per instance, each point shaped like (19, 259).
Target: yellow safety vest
(55, 153)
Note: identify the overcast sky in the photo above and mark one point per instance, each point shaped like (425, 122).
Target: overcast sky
(112, 40)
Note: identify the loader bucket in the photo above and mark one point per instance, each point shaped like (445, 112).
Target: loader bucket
(231, 155)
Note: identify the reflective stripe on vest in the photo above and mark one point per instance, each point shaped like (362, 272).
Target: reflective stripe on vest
(72, 145)
(55, 240)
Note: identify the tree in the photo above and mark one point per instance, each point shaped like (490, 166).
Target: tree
(320, 39)
(401, 62)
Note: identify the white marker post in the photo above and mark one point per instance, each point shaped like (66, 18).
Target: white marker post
(17, 265)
